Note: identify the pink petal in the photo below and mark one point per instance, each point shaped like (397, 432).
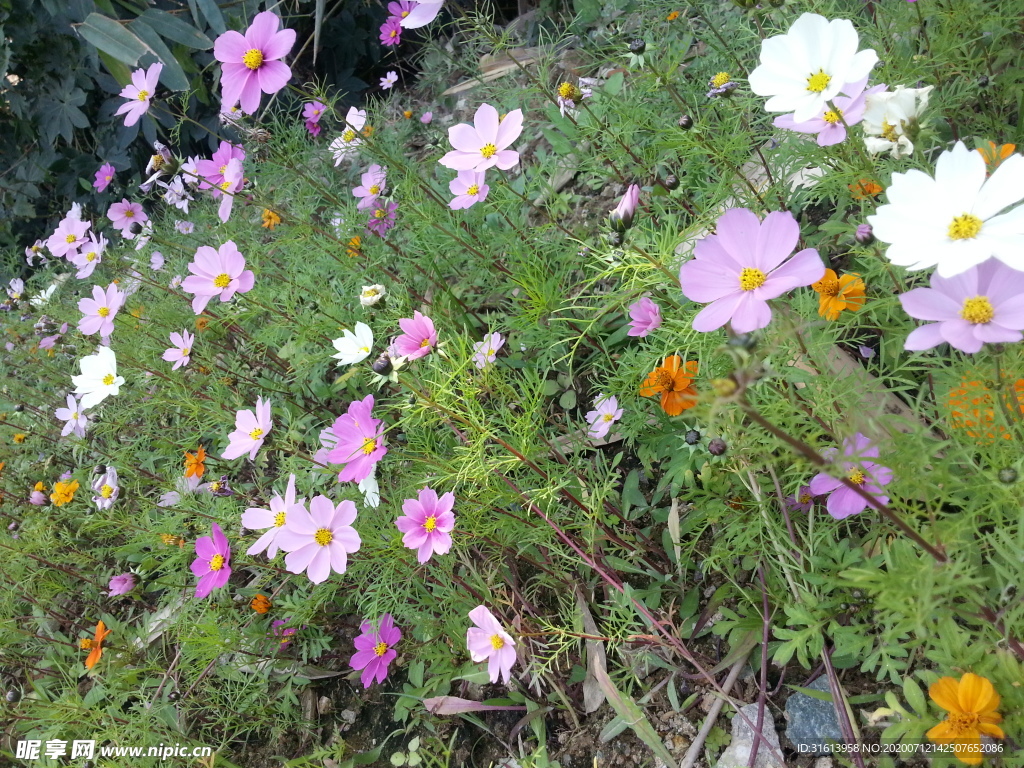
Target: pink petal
(230, 47)
(510, 128)
(925, 337)
(717, 313)
(486, 123)
(804, 268)
(464, 138)
(249, 94)
(279, 45)
(751, 314)
(320, 566)
(262, 30)
(776, 239)
(704, 280)
(929, 304)
(737, 231)
(274, 75)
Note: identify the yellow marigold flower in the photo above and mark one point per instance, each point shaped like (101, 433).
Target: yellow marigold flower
(171, 540)
(355, 247)
(864, 189)
(674, 382)
(40, 486)
(368, 131)
(838, 293)
(260, 604)
(63, 492)
(672, 16)
(407, 114)
(994, 155)
(972, 407)
(971, 703)
(20, 437)
(270, 219)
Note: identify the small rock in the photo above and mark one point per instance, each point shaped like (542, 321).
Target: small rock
(823, 762)
(737, 755)
(325, 705)
(812, 722)
(347, 716)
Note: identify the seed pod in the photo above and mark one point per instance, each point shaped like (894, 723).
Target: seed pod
(692, 437)
(382, 365)
(685, 122)
(637, 46)
(717, 447)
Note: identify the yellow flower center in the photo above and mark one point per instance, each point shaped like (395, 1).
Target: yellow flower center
(108, 379)
(224, 185)
(380, 648)
(889, 132)
(965, 227)
(404, 14)
(70, 239)
(568, 91)
(819, 81)
(751, 278)
(106, 491)
(279, 519)
(370, 293)
(394, 32)
(253, 58)
(962, 723)
(222, 280)
(833, 116)
(323, 537)
(424, 343)
(488, 151)
(216, 562)
(85, 644)
(497, 642)
(720, 79)
(805, 498)
(430, 524)
(103, 311)
(73, 417)
(143, 95)
(608, 417)
(185, 351)
(90, 256)
(827, 287)
(256, 434)
(380, 213)
(473, 191)
(348, 135)
(129, 214)
(157, 161)
(856, 477)
(375, 189)
(214, 486)
(369, 445)
(978, 310)
(222, 169)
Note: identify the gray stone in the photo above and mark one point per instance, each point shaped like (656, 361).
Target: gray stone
(812, 723)
(737, 755)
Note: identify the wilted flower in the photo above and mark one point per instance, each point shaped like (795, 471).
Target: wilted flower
(488, 641)
(645, 316)
(375, 650)
(606, 412)
(213, 562)
(251, 429)
(721, 84)
(139, 93)
(890, 116)
(351, 137)
(483, 145)
(185, 227)
(569, 94)
(121, 585)
(354, 347)
(99, 378)
(251, 63)
(106, 489)
(320, 540)
(427, 523)
(842, 501)
(34, 252)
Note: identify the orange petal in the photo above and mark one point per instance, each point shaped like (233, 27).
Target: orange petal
(672, 363)
(940, 732)
(944, 693)
(968, 751)
(991, 730)
(691, 368)
(94, 656)
(650, 386)
(976, 694)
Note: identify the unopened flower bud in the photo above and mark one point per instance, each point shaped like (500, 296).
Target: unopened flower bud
(685, 122)
(621, 218)
(13, 696)
(717, 447)
(865, 235)
(692, 437)
(671, 182)
(173, 696)
(745, 341)
(615, 239)
(382, 365)
(1008, 475)
(983, 81)
(19, 408)
(637, 46)
(723, 387)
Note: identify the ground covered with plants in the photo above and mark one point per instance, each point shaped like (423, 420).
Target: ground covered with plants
(586, 398)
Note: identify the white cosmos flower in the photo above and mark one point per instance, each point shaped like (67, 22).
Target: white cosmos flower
(42, 297)
(809, 65)
(371, 294)
(370, 489)
(354, 347)
(350, 138)
(99, 378)
(887, 116)
(954, 221)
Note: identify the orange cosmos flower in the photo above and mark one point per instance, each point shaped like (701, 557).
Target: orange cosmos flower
(355, 247)
(94, 645)
(994, 155)
(194, 466)
(202, 322)
(171, 540)
(674, 384)
(20, 437)
(864, 189)
(672, 16)
(260, 604)
(63, 492)
(270, 219)
(972, 407)
(971, 704)
(838, 293)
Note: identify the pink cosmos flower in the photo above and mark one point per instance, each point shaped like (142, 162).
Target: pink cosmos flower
(211, 172)
(426, 118)
(375, 650)
(801, 501)
(251, 430)
(121, 585)
(389, 80)
(422, 14)
(745, 264)
(219, 272)
(37, 498)
(983, 305)
(98, 312)
(468, 188)
(428, 523)
(312, 111)
(68, 237)
(382, 218)
(489, 641)
(185, 227)
(156, 261)
(391, 31)
(319, 541)
(282, 632)
(181, 350)
(212, 565)
(645, 316)
(106, 489)
(35, 251)
(74, 418)
(374, 182)
(621, 218)
(104, 176)
(484, 144)
(228, 189)
(49, 341)
(139, 93)
(842, 501)
(829, 126)
(419, 338)
(401, 9)
(251, 63)
(122, 215)
(90, 255)
(273, 519)
(360, 441)
(606, 412)
(486, 352)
